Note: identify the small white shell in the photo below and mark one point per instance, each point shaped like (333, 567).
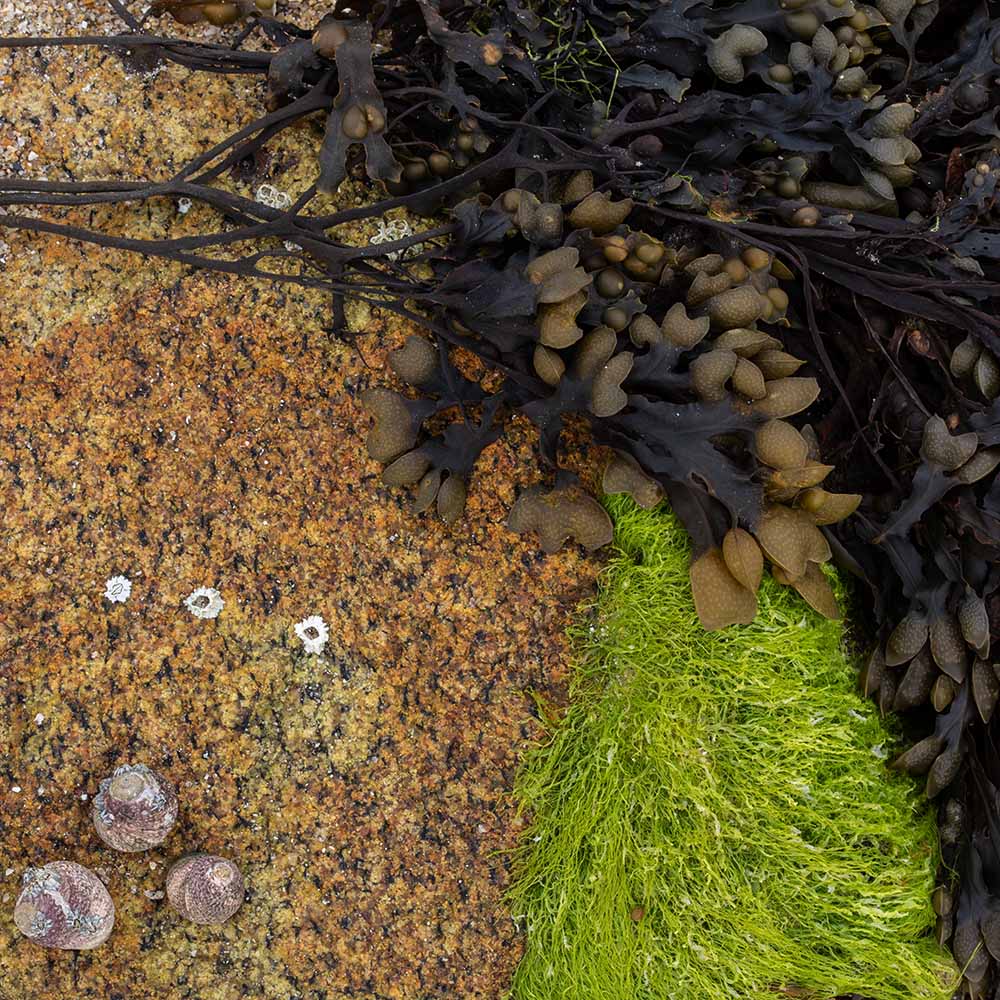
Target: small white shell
(118, 589)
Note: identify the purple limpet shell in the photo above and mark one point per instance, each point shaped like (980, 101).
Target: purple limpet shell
(135, 808)
(204, 888)
(64, 905)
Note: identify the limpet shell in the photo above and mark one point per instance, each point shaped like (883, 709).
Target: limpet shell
(64, 905)
(135, 808)
(204, 888)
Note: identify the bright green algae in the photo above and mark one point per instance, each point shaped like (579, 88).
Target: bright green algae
(732, 785)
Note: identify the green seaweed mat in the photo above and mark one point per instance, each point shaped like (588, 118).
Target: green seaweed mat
(713, 816)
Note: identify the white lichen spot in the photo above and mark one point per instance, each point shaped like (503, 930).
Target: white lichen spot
(118, 589)
(184, 205)
(314, 633)
(204, 602)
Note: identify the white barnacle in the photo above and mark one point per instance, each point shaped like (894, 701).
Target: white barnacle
(268, 194)
(35, 881)
(265, 194)
(205, 602)
(390, 231)
(87, 922)
(40, 925)
(118, 589)
(314, 633)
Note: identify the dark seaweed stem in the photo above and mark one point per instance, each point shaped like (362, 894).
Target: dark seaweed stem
(244, 143)
(290, 225)
(387, 286)
(316, 250)
(899, 291)
(206, 58)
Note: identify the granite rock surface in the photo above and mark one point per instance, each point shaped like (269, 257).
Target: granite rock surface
(190, 430)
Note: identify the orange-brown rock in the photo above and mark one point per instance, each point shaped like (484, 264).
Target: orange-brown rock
(189, 430)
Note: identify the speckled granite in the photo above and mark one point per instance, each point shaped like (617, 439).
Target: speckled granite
(189, 430)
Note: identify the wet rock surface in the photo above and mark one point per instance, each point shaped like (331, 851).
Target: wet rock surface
(191, 430)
